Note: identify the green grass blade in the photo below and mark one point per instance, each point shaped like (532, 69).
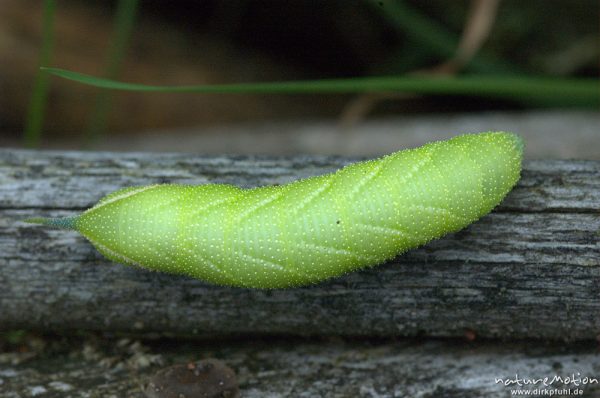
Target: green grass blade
(530, 90)
(39, 95)
(436, 38)
(432, 36)
(125, 16)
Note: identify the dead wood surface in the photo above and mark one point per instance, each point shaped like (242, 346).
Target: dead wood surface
(529, 269)
(291, 367)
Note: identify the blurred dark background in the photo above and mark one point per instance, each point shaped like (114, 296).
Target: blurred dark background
(215, 42)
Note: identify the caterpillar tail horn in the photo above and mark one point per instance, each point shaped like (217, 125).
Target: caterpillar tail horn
(61, 222)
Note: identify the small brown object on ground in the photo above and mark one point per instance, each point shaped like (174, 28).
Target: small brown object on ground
(208, 378)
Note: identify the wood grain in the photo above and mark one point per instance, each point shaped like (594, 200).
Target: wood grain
(529, 269)
(288, 367)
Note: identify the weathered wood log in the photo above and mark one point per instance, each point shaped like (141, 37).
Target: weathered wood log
(529, 269)
(299, 368)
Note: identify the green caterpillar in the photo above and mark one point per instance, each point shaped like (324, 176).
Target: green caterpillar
(309, 230)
